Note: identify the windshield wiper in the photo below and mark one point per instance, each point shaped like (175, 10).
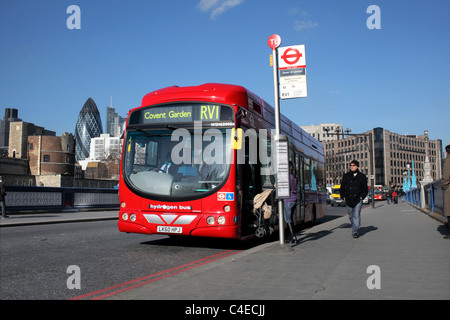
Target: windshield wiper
(148, 134)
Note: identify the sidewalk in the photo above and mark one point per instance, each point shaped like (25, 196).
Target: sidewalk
(327, 263)
(23, 219)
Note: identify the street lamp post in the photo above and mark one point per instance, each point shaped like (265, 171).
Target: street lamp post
(408, 180)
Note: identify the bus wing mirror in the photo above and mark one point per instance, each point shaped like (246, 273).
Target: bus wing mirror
(236, 138)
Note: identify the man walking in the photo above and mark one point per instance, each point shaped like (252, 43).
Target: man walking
(446, 186)
(2, 198)
(353, 190)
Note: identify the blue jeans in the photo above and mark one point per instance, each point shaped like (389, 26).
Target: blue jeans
(354, 214)
(288, 211)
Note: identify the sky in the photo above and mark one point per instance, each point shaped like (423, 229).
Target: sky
(396, 76)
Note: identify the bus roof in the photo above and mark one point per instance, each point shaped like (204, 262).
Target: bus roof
(217, 92)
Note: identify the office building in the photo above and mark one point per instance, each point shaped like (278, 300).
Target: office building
(394, 156)
(115, 124)
(322, 131)
(89, 125)
(105, 147)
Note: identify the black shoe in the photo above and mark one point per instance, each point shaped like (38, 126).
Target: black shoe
(355, 235)
(291, 239)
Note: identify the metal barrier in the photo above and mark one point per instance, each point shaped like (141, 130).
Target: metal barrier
(21, 198)
(434, 197)
(429, 198)
(413, 196)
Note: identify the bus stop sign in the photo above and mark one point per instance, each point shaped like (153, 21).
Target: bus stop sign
(274, 41)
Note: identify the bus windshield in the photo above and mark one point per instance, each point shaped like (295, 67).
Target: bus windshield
(176, 164)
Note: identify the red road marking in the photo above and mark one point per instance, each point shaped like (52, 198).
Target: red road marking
(153, 277)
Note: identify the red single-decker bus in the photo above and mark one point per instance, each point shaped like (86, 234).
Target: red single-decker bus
(194, 160)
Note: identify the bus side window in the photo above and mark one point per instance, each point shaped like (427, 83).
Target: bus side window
(307, 174)
(299, 169)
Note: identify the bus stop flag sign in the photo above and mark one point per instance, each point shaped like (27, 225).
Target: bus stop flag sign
(274, 41)
(292, 66)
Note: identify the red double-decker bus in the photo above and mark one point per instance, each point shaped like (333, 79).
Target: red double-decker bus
(195, 158)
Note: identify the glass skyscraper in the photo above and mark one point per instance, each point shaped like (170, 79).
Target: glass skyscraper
(89, 125)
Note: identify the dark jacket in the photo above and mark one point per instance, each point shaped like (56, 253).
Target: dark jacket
(2, 191)
(354, 187)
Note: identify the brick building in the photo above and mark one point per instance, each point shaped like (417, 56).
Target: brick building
(51, 154)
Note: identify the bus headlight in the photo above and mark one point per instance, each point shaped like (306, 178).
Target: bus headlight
(123, 204)
(132, 217)
(221, 220)
(210, 220)
(226, 208)
(124, 216)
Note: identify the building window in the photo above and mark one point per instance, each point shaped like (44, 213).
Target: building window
(46, 158)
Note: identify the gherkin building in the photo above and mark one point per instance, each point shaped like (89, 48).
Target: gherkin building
(89, 125)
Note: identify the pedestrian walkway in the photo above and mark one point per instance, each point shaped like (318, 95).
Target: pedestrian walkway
(21, 219)
(400, 254)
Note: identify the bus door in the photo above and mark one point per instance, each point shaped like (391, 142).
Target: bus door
(249, 185)
(300, 207)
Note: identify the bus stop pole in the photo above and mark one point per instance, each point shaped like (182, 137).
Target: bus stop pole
(277, 131)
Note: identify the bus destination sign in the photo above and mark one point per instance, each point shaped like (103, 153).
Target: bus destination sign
(185, 113)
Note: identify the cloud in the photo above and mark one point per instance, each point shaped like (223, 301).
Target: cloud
(302, 23)
(217, 7)
(297, 11)
(205, 5)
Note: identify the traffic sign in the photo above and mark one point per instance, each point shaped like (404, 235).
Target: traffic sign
(292, 66)
(274, 41)
(292, 57)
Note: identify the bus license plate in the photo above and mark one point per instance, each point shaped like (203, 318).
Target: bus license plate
(167, 229)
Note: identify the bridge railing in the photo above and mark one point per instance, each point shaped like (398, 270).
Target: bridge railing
(20, 198)
(429, 198)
